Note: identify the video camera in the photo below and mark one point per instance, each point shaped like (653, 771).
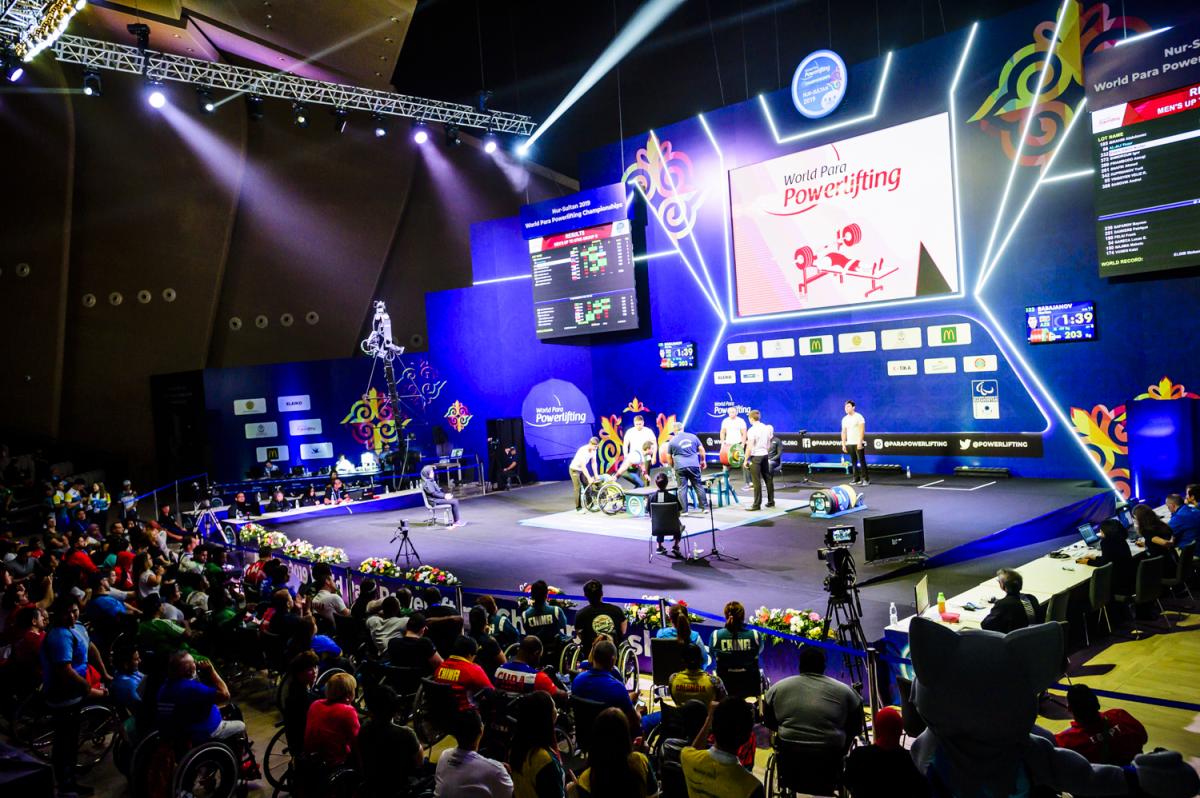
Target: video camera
(839, 559)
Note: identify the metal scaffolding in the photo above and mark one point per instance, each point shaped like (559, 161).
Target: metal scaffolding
(95, 54)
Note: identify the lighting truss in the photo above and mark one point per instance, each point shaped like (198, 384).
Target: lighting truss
(96, 54)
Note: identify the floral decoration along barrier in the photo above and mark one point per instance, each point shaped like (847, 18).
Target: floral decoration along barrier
(784, 630)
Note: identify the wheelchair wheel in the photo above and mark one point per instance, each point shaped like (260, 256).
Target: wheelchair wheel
(122, 752)
(210, 770)
(771, 778)
(151, 767)
(511, 652)
(568, 657)
(611, 498)
(32, 727)
(277, 761)
(98, 729)
(627, 664)
(342, 783)
(423, 721)
(591, 496)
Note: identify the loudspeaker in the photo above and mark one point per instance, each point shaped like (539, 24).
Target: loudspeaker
(502, 433)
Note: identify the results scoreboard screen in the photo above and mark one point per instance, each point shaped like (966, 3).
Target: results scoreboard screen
(583, 281)
(677, 354)
(1147, 156)
(1066, 321)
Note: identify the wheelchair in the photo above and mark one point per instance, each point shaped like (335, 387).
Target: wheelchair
(627, 662)
(795, 770)
(32, 726)
(604, 494)
(160, 767)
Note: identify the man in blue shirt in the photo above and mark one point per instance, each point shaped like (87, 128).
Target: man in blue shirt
(1185, 518)
(188, 707)
(66, 653)
(687, 455)
(600, 683)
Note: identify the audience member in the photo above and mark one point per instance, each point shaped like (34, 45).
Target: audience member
(368, 592)
(332, 724)
(716, 771)
(1114, 549)
(533, 759)
(189, 701)
(503, 630)
(545, 621)
(465, 678)
(391, 756)
(387, 623)
(71, 668)
(812, 710)
(297, 697)
(734, 646)
(521, 674)
(462, 772)
(1111, 737)
(412, 649)
(1016, 610)
(681, 629)
(126, 688)
(328, 600)
(614, 768)
(599, 618)
(693, 683)
(490, 656)
(600, 682)
(884, 768)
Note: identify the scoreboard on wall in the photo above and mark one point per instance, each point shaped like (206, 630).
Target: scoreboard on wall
(583, 281)
(1066, 321)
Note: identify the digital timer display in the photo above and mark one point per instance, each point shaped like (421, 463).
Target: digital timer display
(677, 354)
(1065, 321)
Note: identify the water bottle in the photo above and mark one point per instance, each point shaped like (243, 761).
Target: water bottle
(908, 472)
(893, 616)
(941, 602)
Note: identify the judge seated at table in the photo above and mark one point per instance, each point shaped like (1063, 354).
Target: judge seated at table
(241, 507)
(1016, 610)
(1114, 549)
(436, 496)
(336, 493)
(278, 503)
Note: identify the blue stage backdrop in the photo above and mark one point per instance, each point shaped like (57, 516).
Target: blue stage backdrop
(944, 377)
(1025, 237)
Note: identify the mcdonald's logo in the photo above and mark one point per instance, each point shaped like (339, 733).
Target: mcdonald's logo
(949, 335)
(815, 345)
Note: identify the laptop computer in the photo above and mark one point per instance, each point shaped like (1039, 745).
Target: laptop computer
(1088, 533)
(922, 594)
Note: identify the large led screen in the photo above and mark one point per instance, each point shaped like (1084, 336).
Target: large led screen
(863, 220)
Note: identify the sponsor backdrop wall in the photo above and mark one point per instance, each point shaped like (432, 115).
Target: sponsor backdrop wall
(928, 336)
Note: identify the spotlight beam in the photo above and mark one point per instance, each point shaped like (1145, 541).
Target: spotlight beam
(725, 233)
(1033, 104)
(639, 26)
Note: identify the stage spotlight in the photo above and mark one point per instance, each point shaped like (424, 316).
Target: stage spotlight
(522, 149)
(79, 4)
(92, 86)
(300, 114)
(204, 100)
(11, 66)
(340, 119)
(490, 144)
(254, 107)
(453, 139)
(156, 98)
(420, 133)
(482, 100)
(380, 125)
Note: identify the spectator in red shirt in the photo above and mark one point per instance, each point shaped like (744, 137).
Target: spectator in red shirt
(523, 673)
(79, 557)
(332, 725)
(1112, 737)
(461, 673)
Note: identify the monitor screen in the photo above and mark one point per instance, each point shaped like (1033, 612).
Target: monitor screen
(863, 220)
(840, 534)
(922, 594)
(1066, 321)
(677, 354)
(584, 281)
(1088, 533)
(1144, 153)
(1125, 516)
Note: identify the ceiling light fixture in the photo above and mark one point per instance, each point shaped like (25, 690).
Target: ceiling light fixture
(92, 85)
(490, 144)
(453, 137)
(156, 98)
(380, 125)
(300, 114)
(420, 133)
(254, 107)
(341, 117)
(204, 100)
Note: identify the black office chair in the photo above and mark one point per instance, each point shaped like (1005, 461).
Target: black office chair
(666, 660)
(1183, 570)
(664, 521)
(1148, 586)
(1100, 592)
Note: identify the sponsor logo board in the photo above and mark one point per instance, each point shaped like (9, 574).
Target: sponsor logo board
(972, 363)
(294, 404)
(940, 365)
(751, 375)
(779, 347)
(933, 444)
(263, 429)
(948, 334)
(249, 407)
(816, 345)
(857, 341)
(304, 426)
(902, 338)
(901, 368)
(274, 453)
(742, 350)
(316, 451)
(724, 377)
(985, 399)
(780, 374)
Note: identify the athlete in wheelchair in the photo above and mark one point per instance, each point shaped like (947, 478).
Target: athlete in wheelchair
(548, 623)
(604, 494)
(601, 619)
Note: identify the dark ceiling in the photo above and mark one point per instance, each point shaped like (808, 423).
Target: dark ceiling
(709, 53)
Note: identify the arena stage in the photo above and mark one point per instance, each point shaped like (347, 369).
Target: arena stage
(972, 526)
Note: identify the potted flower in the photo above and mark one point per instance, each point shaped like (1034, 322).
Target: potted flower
(552, 591)
(431, 575)
(330, 555)
(379, 566)
(648, 615)
(298, 549)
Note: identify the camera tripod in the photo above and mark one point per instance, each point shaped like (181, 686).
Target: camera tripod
(207, 525)
(406, 549)
(844, 609)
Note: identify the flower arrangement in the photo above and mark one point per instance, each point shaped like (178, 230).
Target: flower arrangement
(430, 575)
(379, 566)
(803, 623)
(299, 549)
(253, 533)
(647, 615)
(330, 555)
(523, 602)
(276, 540)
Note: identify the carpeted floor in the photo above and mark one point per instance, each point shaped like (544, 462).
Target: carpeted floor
(778, 565)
